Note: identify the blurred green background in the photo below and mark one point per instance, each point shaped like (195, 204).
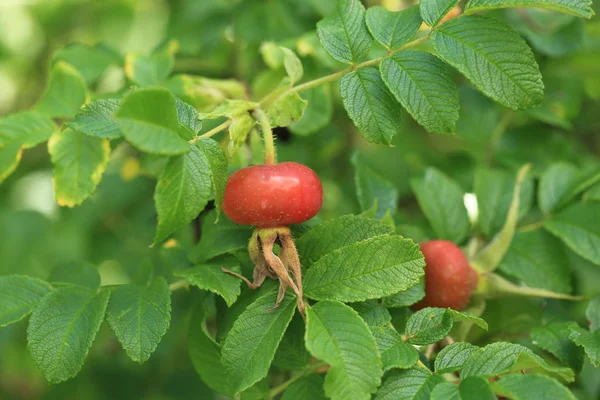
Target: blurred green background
(222, 39)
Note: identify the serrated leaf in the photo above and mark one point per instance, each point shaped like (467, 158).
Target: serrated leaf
(554, 338)
(372, 312)
(344, 34)
(441, 200)
(580, 8)
(411, 384)
(393, 29)
(577, 230)
(239, 129)
(182, 191)
(230, 108)
(187, 116)
(291, 353)
(472, 388)
(592, 313)
(539, 260)
(369, 269)
(140, 316)
(494, 189)
(217, 162)
(424, 86)
(318, 111)
(76, 273)
(292, 64)
(332, 332)
(63, 328)
(286, 109)
(90, 61)
(147, 70)
(531, 386)
(433, 11)
(499, 358)
(19, 296)
(561, 182)
(373, 190)
(250, 346)
(430, 325)
(96, 119)
(79, 162)
(370, 105)
(493, 57)
(453, 356)
(406, 298)
(210, 276)
(394, 352)
(65, 93)
(219, 238)
(337, 233)
(148, 120)
(307, 388)
(205, 354)
(590, 341)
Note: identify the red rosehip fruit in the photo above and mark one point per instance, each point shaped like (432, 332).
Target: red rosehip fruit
(273, 195)
(449, 280)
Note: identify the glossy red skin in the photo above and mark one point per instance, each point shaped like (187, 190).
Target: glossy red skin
(449, 280)
(269, 196)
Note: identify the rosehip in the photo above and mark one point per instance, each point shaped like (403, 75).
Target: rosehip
(449, 280)
(274, 195)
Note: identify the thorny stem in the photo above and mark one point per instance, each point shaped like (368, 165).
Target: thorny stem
(306, 371)
(213, 131)
(265, 126)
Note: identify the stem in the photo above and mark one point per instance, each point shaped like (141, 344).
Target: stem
(306, 371)
(492, 285)
(532, 226)
(181, 284)
(265, 126)
(212, 132)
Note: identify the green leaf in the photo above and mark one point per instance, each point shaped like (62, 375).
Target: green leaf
(140, 316)
(332, 333)
(182, 191)
(148, 120)
(472, 388)
(493, 57)
(370, 105)
(217, 163)
(590, 341)
(205, 354)
(441, 200)
(373, 190)
(561, 182)
(494, 189)
(291, 353)
(90, 61)
(593, 194)
(406, 298)
(209, 276)
(554, 338)
(593, 313)
(500, 358)
(219, 238)
(577, 230)
(292, 64)
(65, 93)
(531, 386)
(411, 384)
(286, 109)
(344, 34)
(430, 325)
(96, 119)
(453, 356)
(188, 116)
(250, 346)
(239, 129)
(318, 111)
(424, 86)
(18, 131)
(79, 162)
(76, 273)
(434, 10)
(230, 108)
(369, 269)
(147, 70)
(394, 352)
(307, 388)
(372, 312)
(393, 29)
(63, 328)
(19, 296)
(580, 8)
(337, 233)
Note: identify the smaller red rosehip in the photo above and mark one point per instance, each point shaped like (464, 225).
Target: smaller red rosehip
(273, 195)
(449, 280)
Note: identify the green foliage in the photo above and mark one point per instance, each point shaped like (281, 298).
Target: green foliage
(394, 352)
(431, 325)
(209, 276)
(19, 296)
(65, 93)
(581, 8)
(393, 29)
(410, 384)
